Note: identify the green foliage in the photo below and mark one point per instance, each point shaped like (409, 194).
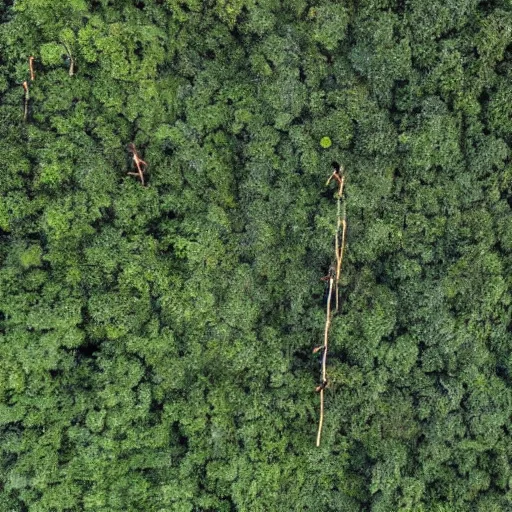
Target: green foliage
(330, 24)
(52, 53)
(325, 142)
(156, 340)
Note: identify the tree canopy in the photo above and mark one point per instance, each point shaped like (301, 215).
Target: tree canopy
(156, 334)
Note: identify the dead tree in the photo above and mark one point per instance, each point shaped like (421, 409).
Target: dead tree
(139, 163)
(333, 278)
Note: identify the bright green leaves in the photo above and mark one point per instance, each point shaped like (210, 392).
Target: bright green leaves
(31, 257)
(229, 10)
(41, 6)
(86, 37)
(325, 142)
(119, 46)
(48, 15)
(52, 53)
(67, 219)
(61, 51)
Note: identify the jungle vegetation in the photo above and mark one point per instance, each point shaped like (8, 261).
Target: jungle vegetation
(156, 328)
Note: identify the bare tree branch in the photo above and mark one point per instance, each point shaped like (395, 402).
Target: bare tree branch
(333, 277)
(71, 60)
(31, 67)
(139, 163)
(27, 97)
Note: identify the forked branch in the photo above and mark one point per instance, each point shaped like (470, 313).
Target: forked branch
(140, 165)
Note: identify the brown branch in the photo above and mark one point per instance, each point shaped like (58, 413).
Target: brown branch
(340, 258)
(341, 226)
(27, 97)
(71, 60)
(31, 67)
(334, 279)
(322, 386)
(139, 163)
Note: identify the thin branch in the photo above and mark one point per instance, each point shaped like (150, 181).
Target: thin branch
(322, 386)
(341, 228)
(340, 257)
(31, 67)
(334, 278)
(27, 97)
(71, 60)
(321, 421)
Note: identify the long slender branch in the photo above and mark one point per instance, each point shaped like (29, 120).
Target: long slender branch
(334, 279)
(27, 97)
(324, 360)
(340, 226)
(71, 60)
(340, 257)
(321, 421)
(31, 68)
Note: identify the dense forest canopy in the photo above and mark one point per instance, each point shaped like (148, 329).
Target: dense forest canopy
(155, 340)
